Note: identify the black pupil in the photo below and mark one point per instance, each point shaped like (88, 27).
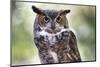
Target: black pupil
(46, 19)
(58, 18)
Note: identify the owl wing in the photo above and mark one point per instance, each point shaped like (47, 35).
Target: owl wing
(74, 53)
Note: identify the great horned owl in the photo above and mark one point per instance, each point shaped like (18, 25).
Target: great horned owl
(55, 41)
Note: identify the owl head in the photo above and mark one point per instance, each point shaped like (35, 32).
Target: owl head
(52, 21)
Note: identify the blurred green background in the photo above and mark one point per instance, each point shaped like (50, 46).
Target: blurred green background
(81, 18)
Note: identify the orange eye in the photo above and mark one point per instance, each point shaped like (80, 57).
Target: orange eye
(58, 19)
(46, 19)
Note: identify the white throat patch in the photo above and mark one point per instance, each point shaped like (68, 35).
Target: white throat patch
(50, 37)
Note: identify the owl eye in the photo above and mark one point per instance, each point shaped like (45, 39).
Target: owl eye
(46, 19)
(58, 19)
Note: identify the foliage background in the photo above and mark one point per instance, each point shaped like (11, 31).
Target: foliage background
(81, 18)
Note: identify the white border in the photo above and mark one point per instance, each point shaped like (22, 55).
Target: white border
(5, 33)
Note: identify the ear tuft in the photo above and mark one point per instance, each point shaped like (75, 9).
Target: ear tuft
(36, 10)
(66, 11)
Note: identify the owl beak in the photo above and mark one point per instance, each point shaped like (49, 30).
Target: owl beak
(53, 26)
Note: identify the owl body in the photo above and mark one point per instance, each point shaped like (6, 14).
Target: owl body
(56, 43)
